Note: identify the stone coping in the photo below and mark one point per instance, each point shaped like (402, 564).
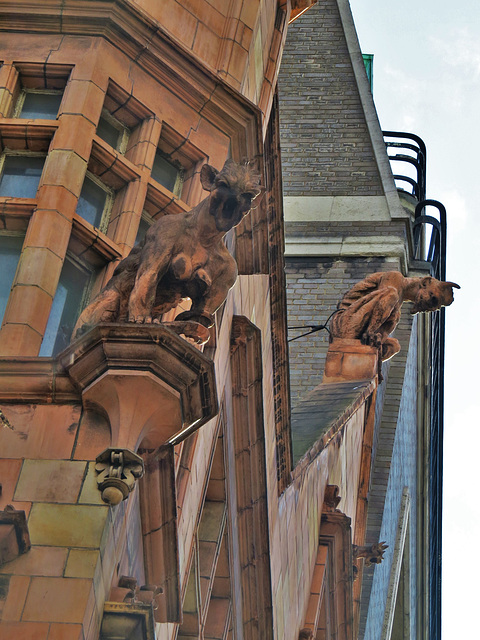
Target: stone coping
(322, 414)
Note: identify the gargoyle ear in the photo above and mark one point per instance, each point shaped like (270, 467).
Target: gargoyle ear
(207, 176)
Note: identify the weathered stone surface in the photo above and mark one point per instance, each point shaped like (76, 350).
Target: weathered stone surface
(149, 381)
(370, 311)
(182, 256)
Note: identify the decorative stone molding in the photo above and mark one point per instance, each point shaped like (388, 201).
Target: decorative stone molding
(118, 470)
(14, 536)
(336, 537)
(332, 579)
(348, 359)
(128, 591)
(331, 498)
(35, 380)
(150, 382)
(130, 621)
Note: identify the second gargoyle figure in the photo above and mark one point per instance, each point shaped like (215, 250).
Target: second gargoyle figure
(182, 256)
(370, 311)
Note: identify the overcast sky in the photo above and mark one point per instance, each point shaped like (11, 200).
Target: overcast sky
(427, 81)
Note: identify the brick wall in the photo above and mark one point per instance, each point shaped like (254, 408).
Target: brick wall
(314, 287)
(326, 150)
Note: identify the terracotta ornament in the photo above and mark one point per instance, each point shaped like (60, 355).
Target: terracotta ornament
(181, 256)
(129, 591)
(372, 553)
(370, 311)
(117, 469)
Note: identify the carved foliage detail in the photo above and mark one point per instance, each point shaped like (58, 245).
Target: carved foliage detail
(117, 469)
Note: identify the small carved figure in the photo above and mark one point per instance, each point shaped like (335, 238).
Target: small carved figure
(370, 311)
(372, 553)
(182, 256)
(128, 591)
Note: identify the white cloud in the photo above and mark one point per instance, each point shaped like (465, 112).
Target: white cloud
(460, 47)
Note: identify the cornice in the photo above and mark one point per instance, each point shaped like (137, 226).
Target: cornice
(138, 36)
(35, 380)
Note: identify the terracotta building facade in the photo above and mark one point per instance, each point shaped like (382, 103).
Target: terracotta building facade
(153, 487)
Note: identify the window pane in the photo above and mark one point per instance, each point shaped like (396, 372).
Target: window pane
(142, 230)
(20, 176)
(10, 249)
(41, 105)
(65, 309)
(108, 132)
(91, 202)
(164, 172)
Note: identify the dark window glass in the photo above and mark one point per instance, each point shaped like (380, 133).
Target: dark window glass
(91, 202)
(108, 132)
(41, 105)
(20, 176)
(65, 309)
(10, 249)
(142, 230)
(165, 172)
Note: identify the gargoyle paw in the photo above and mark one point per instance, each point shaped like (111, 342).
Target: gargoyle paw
(140, 319)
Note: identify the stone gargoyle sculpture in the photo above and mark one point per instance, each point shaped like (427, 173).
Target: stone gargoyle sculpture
(370, 311)
(182, 256)
(373, 553)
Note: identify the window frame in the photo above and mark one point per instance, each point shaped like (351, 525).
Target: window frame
(26, 154)
(123, 131)
(17, 111)
(179, 180)
(90, 272)
(147, 218)
(12, 234)
(109, 200)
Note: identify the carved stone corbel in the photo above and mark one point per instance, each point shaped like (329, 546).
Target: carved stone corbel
(331, 499)
(14, 536)
(117, 469)
(129, 591)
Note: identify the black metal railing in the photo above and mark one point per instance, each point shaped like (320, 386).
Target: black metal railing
(409, 152)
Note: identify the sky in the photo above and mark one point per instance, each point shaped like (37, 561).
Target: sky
(426, 80)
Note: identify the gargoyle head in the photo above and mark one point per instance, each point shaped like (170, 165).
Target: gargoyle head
(376, 555)
(373, 553)
(433, 294)
(232, 192)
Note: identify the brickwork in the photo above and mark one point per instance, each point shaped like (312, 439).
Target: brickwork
(327, 149)
(342, 228)
(314, 287)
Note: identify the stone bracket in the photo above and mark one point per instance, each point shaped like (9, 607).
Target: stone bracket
(14, 536)
(150, 382)
(130, 621)
(118, 469)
